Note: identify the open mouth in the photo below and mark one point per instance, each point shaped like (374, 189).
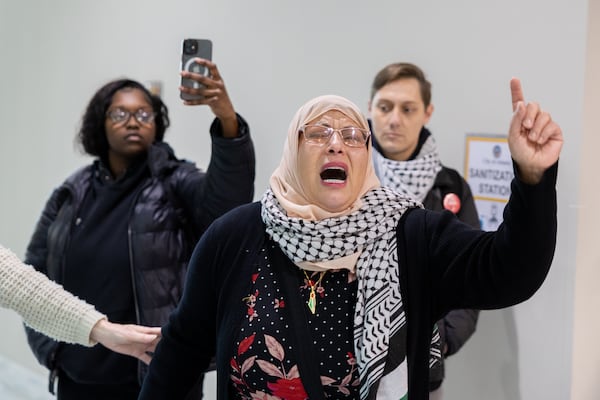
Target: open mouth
(334, 175)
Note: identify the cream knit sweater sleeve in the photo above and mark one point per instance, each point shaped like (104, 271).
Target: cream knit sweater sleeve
(43, 304)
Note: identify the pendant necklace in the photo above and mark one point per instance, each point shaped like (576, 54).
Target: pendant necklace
(312, 285)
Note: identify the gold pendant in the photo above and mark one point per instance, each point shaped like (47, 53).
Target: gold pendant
(312, 300)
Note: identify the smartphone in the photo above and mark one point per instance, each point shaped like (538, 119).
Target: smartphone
(190, 49)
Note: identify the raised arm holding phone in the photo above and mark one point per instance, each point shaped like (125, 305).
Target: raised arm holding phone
(119, 232)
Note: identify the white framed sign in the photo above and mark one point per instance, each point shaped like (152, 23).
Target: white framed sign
(489, 172)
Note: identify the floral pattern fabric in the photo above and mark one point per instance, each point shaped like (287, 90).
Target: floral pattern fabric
(264, 365)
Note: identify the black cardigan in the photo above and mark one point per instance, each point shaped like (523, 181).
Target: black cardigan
(444, 264)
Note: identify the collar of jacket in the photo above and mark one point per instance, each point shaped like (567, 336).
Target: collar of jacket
(161, 159)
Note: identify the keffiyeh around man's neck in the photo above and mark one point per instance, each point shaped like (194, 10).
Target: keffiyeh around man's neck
(414, 177)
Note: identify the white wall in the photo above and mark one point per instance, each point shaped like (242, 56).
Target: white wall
(276, 54)
(586, 355)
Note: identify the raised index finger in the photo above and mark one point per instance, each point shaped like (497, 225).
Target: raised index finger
(516, 92)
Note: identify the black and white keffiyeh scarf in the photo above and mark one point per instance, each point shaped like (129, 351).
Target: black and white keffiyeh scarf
(414, 177)
(370, 231)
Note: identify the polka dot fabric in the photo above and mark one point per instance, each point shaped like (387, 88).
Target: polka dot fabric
(265, 364)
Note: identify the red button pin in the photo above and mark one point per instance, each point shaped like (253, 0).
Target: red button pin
(452, 203)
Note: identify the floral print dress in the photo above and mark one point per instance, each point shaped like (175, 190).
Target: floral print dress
(264, 365)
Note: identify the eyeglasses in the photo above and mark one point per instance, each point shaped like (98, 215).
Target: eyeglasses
(351, 136)
(120, 115)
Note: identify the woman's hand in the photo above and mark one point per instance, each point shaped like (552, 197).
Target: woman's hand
(534, 139)
(214, 94)
(132, 340)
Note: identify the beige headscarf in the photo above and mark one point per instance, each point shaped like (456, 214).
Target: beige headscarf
(285, 182)
(289, 190)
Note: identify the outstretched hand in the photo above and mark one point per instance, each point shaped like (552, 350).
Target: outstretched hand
(534, 139)
(132, 340)
(214, 94)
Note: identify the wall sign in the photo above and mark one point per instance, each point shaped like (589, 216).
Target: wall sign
(489, 172)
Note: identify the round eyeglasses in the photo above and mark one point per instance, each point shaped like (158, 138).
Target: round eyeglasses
(120, 115)
(351, 136)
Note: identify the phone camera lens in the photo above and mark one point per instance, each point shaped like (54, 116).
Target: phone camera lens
(190, 46)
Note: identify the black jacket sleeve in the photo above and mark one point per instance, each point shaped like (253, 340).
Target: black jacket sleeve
(228, 181)
(456, 328)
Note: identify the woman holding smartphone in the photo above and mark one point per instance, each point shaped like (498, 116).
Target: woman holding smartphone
(119, 232)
